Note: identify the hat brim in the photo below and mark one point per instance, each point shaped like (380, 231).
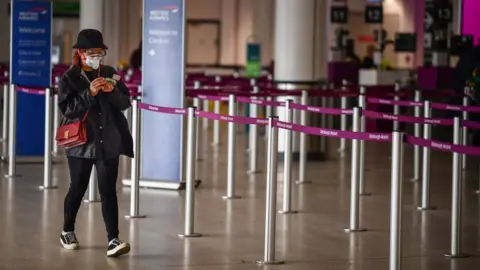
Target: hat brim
(76, 46)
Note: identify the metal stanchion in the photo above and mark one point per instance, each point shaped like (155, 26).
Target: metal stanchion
(396, 108)
(302, 166)
(268, 112)
(205, 120)
(466, 102)
(135, 169)
(189, 230)
(47, 158)
(427, 130)
(271, 197)
(253, 137)
(56, 120)
(354, 190)
(343, 117)
(363, 106)
(5, 113)
(396, 205)
(12, 133)
(216, 124)
(287, 163)
(198, 145)
(92, 195)
(456, 228)
(232, 141)
(417, 132)
(323, 120)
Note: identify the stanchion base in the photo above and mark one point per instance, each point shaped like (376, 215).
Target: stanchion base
(414, 180)
(270, 262)
(429, 208)
(136, 217)
(47, 188)
(347, 230)
(192, 235)
(216, 144)
(12, 176)
(288, 212)
(456, 256)
(231, 198)
(303, 182)
(92, 201)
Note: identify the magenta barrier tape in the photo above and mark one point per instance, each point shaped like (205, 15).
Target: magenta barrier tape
(443, 146)
(232, 119)
(29, 90)
(404, 103)
(441, 106)
(330, 111)
(364, 136)
(168, 110)
(212, 97)
(261, 102)
(471, 124)
(408, 119)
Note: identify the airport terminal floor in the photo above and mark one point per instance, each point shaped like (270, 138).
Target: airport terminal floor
(312, 239)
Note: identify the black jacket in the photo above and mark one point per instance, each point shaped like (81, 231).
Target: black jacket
(108, 135)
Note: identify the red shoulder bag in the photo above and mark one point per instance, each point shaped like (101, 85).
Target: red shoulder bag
(73, 134)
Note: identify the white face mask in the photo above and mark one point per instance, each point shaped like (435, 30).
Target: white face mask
(93, 62)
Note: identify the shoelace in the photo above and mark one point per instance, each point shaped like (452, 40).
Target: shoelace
(71, 237)
(115, 242)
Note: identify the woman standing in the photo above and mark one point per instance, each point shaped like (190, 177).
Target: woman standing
(91, 91)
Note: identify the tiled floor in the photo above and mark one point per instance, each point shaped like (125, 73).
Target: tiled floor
(30, 221)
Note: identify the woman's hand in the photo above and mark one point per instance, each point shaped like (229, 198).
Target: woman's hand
(107, 87)
(97, 85)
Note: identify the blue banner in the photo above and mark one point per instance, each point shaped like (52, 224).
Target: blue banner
(31, 43)
(31, 51)
(163, 67)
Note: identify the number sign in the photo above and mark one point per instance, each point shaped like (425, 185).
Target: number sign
(374, 14)
(339, 15)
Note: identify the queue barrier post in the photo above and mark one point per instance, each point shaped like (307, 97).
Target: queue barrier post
(136, 162)
(343, 117)
(457, 183)
(12, 133)
(5, 115)
(361, 174)
(189, 229)
(323, 121)
(287, 163)
(303, 142)
(396, 204)
(354, 225)
(268, 112)
(198, 145)
(466, 102)
(232, 143)
(271, 195)
(252, 137)
(47, 153)
(417, 133)
(427, 130)
(92, 195)
(56, 121)
(216, 124)
(396, 107)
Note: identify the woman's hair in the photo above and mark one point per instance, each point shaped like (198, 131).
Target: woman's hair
(76, 60)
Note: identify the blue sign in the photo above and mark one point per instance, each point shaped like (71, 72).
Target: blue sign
(163, 67)
(31, 44)
(31, 49)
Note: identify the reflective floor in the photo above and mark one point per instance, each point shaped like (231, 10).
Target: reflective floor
(313, 239)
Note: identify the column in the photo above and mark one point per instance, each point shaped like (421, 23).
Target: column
(91, 14)
(294, 52)
(262, 27)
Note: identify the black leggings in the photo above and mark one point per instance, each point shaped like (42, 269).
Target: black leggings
(107, 172)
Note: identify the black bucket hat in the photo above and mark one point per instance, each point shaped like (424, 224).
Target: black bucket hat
(90, 39)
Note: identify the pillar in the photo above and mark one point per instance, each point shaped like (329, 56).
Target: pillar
(294, 52)
(91, 14)
(262, 28)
